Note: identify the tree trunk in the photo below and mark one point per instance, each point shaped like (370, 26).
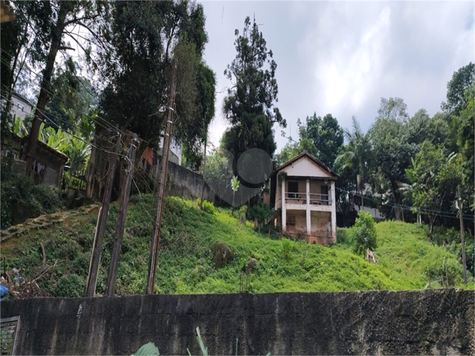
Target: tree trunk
(45, 86)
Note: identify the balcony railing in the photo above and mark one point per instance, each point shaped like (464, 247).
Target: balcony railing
(301, 198)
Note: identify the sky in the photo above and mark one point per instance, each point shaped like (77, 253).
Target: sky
(342, 57)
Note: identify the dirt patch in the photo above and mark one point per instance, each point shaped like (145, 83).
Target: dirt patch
(47, 220)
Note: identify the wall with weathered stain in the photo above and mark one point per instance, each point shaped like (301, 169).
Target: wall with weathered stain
(186, 183)
(391, 323)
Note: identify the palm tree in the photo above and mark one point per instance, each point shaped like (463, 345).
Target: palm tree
(78, 152)
(234, 186)
(356, 156)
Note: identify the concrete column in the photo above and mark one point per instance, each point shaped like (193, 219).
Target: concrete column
(333, 202)
(284, 210)
(309, 216)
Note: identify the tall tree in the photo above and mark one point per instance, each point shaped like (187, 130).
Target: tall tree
(393, 108)
(136, 67)
(393, 149)
(249, 106)
(53, 21)
(434, 178)
(327, 136)
(13, 39)
(355, 159)
(464, 132)
(197, 136)
(461, 80)
(73, 100)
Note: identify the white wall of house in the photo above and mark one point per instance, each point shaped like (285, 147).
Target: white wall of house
(305, 167)
(21, 107)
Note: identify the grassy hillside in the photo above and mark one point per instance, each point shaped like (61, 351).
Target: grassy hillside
(406, 258)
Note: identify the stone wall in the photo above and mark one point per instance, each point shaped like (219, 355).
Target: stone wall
(391, 323)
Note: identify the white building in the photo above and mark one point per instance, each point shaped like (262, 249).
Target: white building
(303, 193)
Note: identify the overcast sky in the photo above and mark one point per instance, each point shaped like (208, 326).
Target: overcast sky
(342, 57)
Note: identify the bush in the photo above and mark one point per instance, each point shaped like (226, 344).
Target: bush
(444, 236)
(363, 233)
(70, 286)
(342, 236)
(21, 199)
(207, 205)
(469, 256)
(443, 268)
(261, 211)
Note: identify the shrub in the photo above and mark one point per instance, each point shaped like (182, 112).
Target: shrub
(208, 207)
(342, 236)
(363, 233)
(469, 256)
(261, 211)
(445, 269)
(21, 199)
(444, 236)
(70, 286)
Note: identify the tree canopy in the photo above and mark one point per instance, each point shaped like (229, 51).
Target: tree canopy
(250, 104)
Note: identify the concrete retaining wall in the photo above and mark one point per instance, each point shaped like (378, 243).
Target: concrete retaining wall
(431, 322)
(185, 183)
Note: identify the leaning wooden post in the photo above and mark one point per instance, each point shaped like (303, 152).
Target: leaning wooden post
(101, 224)
(123, 204)
(162, 183)
(462, 233)
(204, 168)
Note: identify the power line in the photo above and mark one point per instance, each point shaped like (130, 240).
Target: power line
(77, 137)
(442, 213)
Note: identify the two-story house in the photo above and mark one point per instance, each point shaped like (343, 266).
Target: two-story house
(303, 194)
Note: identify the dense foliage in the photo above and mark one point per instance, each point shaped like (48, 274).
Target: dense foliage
(21, 198)
(363, 234)
(250, 104)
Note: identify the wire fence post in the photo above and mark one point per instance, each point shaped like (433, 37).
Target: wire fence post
(123, 205)
(101, 223)
(162, 182)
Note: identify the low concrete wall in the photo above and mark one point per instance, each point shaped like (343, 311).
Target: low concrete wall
(431, 322)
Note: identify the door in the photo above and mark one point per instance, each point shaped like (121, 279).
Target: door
(293, 190)
(324, 192)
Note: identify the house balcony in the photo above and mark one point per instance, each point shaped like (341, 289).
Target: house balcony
(317, 202)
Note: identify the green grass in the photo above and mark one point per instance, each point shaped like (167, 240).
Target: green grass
(406, 258)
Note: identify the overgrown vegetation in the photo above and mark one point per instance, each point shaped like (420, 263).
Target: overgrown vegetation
(406, 257)
(22, 199)
(363, 234)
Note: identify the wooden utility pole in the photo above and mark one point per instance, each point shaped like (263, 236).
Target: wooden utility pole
(162, 183)
(204, 168)
(123, 204)
(462, 233)
(101, 224)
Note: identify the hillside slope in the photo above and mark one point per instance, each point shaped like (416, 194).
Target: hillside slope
(406, 259)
